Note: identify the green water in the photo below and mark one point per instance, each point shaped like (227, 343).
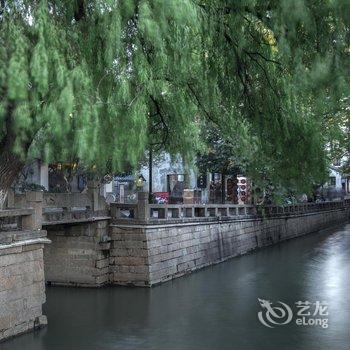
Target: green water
(215, 308)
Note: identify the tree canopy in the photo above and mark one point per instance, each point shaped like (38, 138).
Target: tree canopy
(106, 80)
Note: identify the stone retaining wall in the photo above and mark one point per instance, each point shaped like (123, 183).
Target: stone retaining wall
(148, 254)
(143, 254)
(78, 255)
(22, 285)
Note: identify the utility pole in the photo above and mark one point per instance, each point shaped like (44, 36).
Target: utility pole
(150, 171)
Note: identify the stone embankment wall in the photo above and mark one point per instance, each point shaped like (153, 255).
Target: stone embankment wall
(82, 253)
(22, 284)
(144, 250)
(78, 255)
(144, 255)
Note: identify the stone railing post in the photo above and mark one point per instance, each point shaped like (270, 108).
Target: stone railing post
(94, 189)
(166, 212)
(34, 222)
(142, 206)
(10, 198)
(216, 211)
(245, 210)
(115, 211)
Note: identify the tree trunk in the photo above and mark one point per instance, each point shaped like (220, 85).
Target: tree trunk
(10, 166)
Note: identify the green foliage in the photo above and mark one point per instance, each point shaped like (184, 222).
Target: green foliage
(277, 66)
(102, 81)
(223, 153)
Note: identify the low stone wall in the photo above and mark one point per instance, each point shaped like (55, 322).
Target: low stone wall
(78, 254)
(147, 254)
(22, 285)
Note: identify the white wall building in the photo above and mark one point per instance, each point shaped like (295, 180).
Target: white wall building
(165, 171)
(335, 178)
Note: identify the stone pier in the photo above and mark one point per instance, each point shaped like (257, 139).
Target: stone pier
(79, 254)
(22, 283)
(78, 226)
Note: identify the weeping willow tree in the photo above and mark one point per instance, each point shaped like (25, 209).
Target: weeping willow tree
(106, 80)
(276, 68)
(97, 79)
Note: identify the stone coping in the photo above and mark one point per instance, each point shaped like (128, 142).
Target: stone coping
(25, 243)
(7, 237)
(76, 221)
(16, 212)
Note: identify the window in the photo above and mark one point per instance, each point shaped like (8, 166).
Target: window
(332, 181)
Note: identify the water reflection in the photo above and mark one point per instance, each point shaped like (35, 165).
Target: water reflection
(215, 308)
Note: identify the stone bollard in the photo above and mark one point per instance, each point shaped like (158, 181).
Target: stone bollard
(142, 206)
(34, 222)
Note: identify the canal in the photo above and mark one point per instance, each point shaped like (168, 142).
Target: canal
(216, 308)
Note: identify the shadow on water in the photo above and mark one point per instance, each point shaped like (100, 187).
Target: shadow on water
(215, 308)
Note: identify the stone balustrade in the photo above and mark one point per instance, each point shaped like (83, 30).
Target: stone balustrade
(63, 208)
(14, 219)
(67, 200)
(18, 225)
(142, 211)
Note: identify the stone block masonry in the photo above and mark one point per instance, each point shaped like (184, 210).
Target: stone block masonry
(78, 255)
(151, 253)
(142, 250)
(81, 257)
(22, 285)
